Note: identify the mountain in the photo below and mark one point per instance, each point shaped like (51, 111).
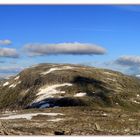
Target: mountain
(64, 99)
(63, 85)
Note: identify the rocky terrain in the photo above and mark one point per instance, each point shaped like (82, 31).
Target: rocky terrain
(64, 99)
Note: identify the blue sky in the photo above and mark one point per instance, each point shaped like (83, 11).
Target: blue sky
(114, 28)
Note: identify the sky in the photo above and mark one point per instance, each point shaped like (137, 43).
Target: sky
(105, 36)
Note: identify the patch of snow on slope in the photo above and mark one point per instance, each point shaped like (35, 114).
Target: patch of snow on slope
(49, 91)
(55, 120)
(136, 102)
(13, 85)
(104, 114)
(5, 84)
(109, 73)
(29, 116)
(57, 68)
(45, 105)
(111, 79)
(19, 82)
(16, 78)
(80, 94)
(138, 95)
(27, 90)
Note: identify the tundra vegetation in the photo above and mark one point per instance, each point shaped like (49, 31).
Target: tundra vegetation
(87, 101)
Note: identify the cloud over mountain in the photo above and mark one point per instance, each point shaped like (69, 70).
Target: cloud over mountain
(64, 48)
(6, 71)
(128, 61)
(8, 52)
(10, 69)
(131, 64)
(5, 42)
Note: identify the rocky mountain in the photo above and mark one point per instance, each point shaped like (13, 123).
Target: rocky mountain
(64, 99)
(61, 85)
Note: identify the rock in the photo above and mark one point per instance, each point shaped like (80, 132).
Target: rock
(59, 132)
(97, 127)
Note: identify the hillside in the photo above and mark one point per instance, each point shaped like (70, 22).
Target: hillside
(50, 85)
(64, 99)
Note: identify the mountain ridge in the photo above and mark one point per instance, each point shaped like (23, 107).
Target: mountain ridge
(69, 85)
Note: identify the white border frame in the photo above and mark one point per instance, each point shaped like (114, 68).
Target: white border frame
(63, 2)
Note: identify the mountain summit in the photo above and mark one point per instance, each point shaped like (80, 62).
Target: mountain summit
(61, 85)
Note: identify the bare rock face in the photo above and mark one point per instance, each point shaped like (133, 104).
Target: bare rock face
(61, 85)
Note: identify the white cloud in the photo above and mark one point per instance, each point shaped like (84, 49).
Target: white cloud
(131, 64)
(128, 61)
(5, 42)
(8, 52)
(10, 69)
(64, 48)
(7, 71)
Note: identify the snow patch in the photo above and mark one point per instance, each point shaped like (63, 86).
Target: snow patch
(29, 116)
(111, 79)
(5, 84)
(56, 106)
(109, 73)
(56, 69)
(55, 120)
(131, 119)
(80, 94)
(18, 82)
(104, 114)
(138, 95)
(136, 102)
(27, 90)
(45, 105)
(13, 85)
(16, 78)
(49, 91)
(126, 130)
